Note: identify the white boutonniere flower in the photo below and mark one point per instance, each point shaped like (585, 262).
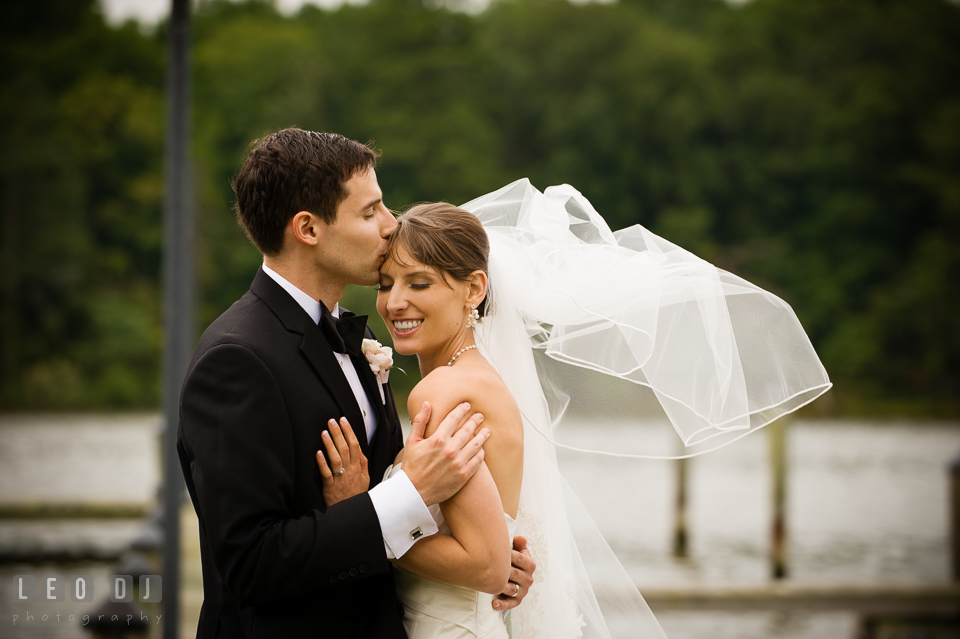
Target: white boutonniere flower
(380, 358)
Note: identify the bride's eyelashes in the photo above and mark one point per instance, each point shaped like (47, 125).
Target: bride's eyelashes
(387, 287)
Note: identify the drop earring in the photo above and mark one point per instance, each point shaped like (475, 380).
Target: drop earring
(473, 317)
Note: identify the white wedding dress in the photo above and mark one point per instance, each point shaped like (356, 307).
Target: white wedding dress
(434, 610)
(577, 310)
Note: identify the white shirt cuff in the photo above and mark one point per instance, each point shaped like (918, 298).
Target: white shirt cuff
(404, 518)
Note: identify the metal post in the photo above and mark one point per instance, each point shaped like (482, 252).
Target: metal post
(177, 297)
(778, 468)
(10, 264)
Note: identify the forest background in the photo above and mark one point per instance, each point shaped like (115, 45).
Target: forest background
(810, 146)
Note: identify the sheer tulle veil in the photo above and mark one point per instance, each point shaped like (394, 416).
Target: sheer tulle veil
(578, 315)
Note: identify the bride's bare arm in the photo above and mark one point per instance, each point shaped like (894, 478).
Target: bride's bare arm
(477, 555)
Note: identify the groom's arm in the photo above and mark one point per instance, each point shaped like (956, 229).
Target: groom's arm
(238, 448)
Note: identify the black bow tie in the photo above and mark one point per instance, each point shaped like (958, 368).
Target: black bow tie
(345, 335)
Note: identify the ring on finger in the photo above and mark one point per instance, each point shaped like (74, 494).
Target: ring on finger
(515, 592)
(343, 470)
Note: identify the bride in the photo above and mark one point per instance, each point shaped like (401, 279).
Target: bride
(518, 301)
(432, 294)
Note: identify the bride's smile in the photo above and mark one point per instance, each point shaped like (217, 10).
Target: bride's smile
(424, 310)
(405, 327)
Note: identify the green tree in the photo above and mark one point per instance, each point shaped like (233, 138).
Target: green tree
(81, 119)
(812, 147)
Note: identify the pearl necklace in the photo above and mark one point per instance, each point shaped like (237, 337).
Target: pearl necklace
(459, 353)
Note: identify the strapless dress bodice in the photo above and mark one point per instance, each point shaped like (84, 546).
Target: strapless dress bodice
(433, 610)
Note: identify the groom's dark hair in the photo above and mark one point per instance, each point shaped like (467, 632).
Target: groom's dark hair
(291, 171)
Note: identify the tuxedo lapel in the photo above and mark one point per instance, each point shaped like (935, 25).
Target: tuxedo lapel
(390, 439)
(387, 438)
(315, 349)
(371, 388)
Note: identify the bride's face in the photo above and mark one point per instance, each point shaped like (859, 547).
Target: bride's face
(423, 313)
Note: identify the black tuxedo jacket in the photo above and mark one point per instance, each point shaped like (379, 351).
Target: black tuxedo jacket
(261, 386)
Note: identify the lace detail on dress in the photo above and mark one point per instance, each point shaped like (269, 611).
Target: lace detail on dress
(533, 611)
(536, 618)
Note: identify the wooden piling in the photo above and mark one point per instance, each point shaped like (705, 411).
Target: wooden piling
(955, 518)
(778, 468)
(680, 549)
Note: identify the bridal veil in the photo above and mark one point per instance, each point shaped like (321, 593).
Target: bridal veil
(580, 316)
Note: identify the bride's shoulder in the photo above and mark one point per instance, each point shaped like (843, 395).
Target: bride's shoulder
(456, 384)
(446, 387)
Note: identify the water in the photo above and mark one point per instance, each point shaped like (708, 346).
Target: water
(867, 503)
(87, 458)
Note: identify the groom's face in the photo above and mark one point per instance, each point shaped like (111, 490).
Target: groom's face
(353, 247)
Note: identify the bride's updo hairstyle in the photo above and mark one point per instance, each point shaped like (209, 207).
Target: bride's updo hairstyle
(443, 237)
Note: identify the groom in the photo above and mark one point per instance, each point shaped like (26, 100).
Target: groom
(266, 378)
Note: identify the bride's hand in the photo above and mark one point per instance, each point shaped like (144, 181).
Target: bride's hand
(350, 476)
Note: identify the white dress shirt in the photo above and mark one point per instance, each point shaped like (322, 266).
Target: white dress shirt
(403, 516)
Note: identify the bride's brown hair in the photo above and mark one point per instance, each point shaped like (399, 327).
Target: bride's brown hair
(444, 237)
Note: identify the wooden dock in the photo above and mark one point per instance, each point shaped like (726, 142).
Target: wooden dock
(869, 602)
(865, 599)
(73, 510)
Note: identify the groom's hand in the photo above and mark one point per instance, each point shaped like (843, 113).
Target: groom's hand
(439, 465)
(521, 576)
